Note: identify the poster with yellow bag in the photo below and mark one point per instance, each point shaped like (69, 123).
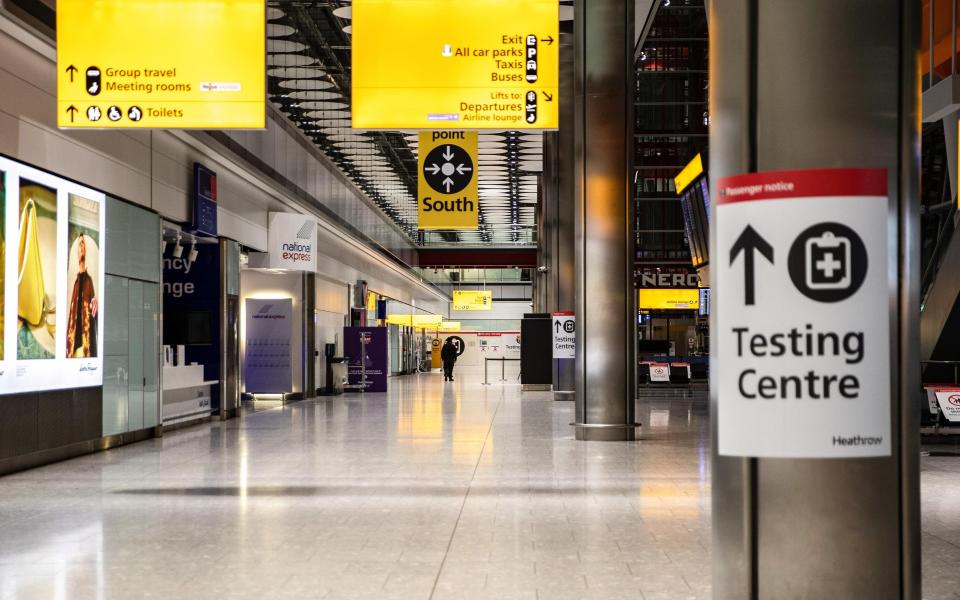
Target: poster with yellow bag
(51, 281)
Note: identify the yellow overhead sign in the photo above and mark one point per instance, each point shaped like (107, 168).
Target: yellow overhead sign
(429, 64)
(689, 173)
(447, 194)
(668, 298)
(472, 300)
(449, 326)
(418, 321)
(170, 64)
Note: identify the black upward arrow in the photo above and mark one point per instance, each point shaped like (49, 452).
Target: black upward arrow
(71, 110)
(71, 70)
(548, 40)
(748, 242)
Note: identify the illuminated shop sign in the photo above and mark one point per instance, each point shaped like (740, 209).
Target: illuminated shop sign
(51, 281)
(293, 242)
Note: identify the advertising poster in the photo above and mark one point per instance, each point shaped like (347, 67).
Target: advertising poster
(51, 281)
(366, 347)
(267, 364)
(83, 260)
(3, 260)
(37, 270)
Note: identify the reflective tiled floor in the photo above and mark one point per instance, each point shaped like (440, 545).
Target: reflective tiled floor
(455, 491)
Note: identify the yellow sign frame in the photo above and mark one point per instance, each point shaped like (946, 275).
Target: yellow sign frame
(472, 300)
(668, 298)
(446, 158)
(441, 64)
(170, 64)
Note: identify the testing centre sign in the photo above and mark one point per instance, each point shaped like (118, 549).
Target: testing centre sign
(564, 335)
(153, 64)
(802, 326)
(481, 64)
(447, 191)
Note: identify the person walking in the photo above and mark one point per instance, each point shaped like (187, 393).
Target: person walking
(448, 354)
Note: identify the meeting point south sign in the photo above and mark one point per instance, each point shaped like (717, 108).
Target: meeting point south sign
(447, 191)
(802, 283)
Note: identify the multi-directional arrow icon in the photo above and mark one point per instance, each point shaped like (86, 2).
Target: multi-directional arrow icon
(749, 242)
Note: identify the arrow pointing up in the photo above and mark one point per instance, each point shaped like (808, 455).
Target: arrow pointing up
(749, 242)
(448, 155)
(71, 110)
(448, 183)
(71, 70)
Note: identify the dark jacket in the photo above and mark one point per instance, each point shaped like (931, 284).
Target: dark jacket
(448, 353)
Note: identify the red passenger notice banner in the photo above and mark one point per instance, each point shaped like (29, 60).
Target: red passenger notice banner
(802, 286)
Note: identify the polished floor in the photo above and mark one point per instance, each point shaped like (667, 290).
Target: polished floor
(433, 491)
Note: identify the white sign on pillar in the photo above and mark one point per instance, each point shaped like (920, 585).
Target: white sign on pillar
(293, 242)
(802, 283)
(564, 335)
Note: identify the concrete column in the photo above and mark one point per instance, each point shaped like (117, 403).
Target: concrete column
(797, 85)
(603, 149)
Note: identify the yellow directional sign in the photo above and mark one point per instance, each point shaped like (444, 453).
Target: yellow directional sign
(472, 300)
(170, 64)
(447, 196)
(469, 64)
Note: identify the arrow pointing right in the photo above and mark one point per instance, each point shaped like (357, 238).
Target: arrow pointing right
(548, 40)
(749, 242)
(71, 110)
(434, 168)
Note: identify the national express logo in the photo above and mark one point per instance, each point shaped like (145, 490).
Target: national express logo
(298, 251)
(264, 313)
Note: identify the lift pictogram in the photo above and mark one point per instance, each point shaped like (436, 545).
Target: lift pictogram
(448, 169)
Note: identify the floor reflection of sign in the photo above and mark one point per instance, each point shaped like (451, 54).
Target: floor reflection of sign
(949, 400)
(802, 351)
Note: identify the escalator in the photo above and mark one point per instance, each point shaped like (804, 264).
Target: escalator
(940, 279)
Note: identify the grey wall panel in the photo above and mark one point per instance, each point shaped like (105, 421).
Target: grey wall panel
(66, 417)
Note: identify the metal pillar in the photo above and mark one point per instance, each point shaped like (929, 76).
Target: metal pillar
(564, 254)
(229, 358)
(799, 85)
(603, 139)
(310, 353)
